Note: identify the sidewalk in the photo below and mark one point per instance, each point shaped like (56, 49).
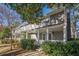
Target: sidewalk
(32, 53)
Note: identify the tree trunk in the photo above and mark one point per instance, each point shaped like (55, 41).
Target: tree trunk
(68, 24)
(74, 24)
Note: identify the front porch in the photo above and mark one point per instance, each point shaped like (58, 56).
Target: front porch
(49, 33)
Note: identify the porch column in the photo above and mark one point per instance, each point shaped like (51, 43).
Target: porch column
(47, 34)
(64, 33)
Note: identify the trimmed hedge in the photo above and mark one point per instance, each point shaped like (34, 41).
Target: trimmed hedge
(71, 48)
(28, 44)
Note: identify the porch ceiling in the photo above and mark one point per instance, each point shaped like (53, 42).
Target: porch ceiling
(51, 28)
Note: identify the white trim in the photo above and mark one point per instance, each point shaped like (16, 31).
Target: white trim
(38, 36)
(47, 34)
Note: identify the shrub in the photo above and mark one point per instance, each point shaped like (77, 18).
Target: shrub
(73, 39)
(60, 49)
(27, 44)
(72, 48)
(52, 48)
(8, 41)
(46, 47)
(77, 38)
(4, 41)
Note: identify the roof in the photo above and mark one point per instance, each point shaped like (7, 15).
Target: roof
(56, 12)
(49, 25)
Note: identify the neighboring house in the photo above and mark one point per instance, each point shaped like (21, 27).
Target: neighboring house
(54, 27)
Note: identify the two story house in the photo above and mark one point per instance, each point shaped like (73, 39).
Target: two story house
(53, 27)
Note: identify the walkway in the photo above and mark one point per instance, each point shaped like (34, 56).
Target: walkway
(32, 53)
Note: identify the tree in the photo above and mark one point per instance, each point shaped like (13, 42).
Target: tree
(29, 12)
(6, 32)
(1, 35)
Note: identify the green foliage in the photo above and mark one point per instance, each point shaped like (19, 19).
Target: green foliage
(8, 41)
(29, 12)
(1, 35)
(73, 39)
(27, 44)
(72, 48)
(5, 33)
(52, 48)
(61, 49)
(46, 47)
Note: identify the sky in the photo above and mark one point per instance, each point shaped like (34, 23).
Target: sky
(46, 10)
(4, 11)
